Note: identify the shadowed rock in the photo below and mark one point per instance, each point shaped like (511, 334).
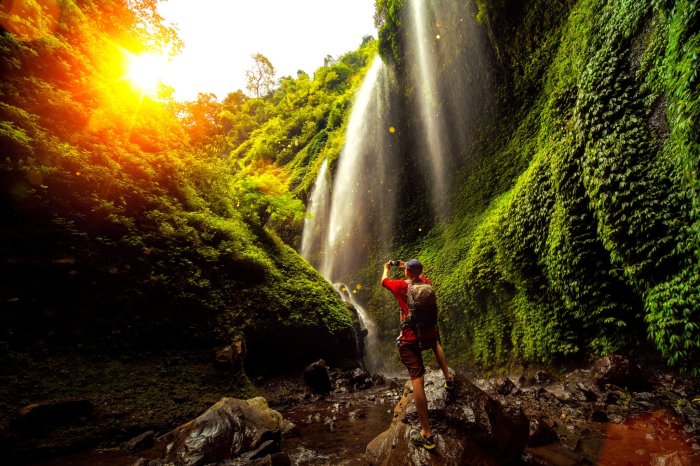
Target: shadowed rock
(229, 428)
(138, 443)
(469, 427)
(38, 417)
(316, 377)
(541, 433)
(618, 370)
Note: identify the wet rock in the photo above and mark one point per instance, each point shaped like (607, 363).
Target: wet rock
(266, 448)
(394, 384)
(523, 382)
(229, 428)
(378, 379)
(38, 417)
(505, 387)
(276, 459)
(138, 443)
(587, 391)
(359, 379)
(553, 453)
(469, 426)
(691, 415)
(618, 370)
(671, 459)
(232, 355)
(612, 397)
(643, 401)
(316, 377)
(541, 433)
(543, 378)
(289, 429)
(357, 414)
(541, 394)
(599, 416)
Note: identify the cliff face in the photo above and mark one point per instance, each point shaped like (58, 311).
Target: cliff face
(574, 225)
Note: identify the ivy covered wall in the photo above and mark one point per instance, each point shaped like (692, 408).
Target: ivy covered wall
(576, 224)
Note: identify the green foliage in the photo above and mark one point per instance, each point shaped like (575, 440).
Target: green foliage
(387, 18)
(145, 222)
(576, 227)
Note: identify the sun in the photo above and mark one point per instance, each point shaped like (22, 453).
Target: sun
(146, 72)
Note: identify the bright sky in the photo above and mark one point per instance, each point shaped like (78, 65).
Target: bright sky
(221, 35)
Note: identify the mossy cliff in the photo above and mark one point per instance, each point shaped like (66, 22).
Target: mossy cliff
(575, 227)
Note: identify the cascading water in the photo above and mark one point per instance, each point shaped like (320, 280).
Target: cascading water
(449, 74)
(340, 237)
(428, 102)
(371, 342)
(363, 202)
(317, 217)
(446, 95)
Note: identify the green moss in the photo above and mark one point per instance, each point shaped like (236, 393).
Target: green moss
(576, 225)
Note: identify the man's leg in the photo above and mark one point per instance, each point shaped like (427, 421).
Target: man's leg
(441, 360)
(421, 405)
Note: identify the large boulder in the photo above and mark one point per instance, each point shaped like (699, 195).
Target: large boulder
(469, 427)
(229, 428)
(316, 377)
(618, 371)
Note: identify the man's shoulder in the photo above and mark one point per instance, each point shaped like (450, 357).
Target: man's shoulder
(393, 284)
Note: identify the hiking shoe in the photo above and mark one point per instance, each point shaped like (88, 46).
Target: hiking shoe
(449, 385)
(426, 442)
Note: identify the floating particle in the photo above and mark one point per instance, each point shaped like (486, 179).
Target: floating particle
(437, 36)
(392, 129)
(358, 286)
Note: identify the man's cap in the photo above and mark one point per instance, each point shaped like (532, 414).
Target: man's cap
(414, 266)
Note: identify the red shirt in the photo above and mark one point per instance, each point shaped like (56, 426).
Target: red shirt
(400, 290)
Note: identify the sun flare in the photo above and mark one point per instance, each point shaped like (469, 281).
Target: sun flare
(146, 72)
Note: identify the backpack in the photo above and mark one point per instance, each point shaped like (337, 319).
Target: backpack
(422, 305)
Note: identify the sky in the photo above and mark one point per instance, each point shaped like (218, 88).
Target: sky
(221, 35)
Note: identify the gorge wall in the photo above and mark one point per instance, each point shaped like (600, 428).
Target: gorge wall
(572, 225)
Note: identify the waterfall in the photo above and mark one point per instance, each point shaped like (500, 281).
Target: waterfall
(427, 100)
(450, 76)
(316, 217)
(447, 96)
(363, 203)
(351, 222)
(371, 343)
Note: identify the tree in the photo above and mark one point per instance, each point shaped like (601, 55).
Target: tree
(200, 118)
(260, 78)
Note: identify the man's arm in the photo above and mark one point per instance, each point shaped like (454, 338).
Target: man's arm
(385, 275)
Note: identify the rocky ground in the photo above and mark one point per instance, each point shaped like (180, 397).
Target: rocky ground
(614, 412)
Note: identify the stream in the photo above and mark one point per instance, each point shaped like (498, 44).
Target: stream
(337, 429)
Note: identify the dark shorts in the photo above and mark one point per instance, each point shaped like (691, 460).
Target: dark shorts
(412, 357)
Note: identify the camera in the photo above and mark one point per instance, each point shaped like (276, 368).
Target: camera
(394, 263)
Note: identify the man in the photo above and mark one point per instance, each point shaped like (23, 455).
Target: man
(409, 351)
